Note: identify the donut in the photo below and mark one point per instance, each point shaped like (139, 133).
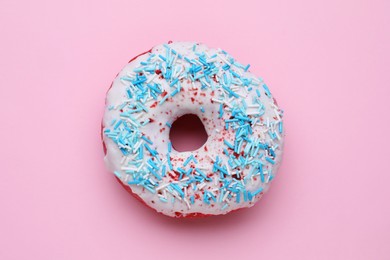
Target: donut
(231, 170)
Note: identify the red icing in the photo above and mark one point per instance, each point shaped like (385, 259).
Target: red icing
(140, 55)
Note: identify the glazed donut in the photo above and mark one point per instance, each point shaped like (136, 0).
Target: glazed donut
(241, 156)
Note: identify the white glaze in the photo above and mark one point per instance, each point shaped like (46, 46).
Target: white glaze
(182, 104)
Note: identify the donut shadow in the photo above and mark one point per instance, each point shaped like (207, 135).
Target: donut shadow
(213, 222)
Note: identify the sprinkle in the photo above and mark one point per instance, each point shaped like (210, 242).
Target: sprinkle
(202, 109)
(147, 139)
(163, 100)
(220, 111)
(267, 90)
(177, 188)
(169, 146)
(168, 124)
(117, 174)
(151, 151)
(174, 82)
(228, 144)
(270, 160)
(257, 191)
(164, 170)
(169, 162)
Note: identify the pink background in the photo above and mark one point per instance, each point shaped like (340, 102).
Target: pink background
(327, 62)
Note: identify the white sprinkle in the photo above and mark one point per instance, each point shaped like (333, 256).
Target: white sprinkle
(201, 186)
(187, 203)
(138, 144)
(277, 135)
(185, 179)
(253, 113)
(128, 168)
(225, 196)
(277, 114)
(227, 168)
(208, 156)
(141, 166)
(217, 100)
(223, 59)
(162, 186)
(151, 78)
(127, 160)
(123, 159)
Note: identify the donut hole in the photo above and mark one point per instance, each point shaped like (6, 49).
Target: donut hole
(187, 133)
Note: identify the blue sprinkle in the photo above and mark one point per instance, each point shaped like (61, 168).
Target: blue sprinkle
(250, 196)
(169, 162)
(163, 171)
(162, 57)
(267, 90)
(163, 199)
(151, 151)
(270, 160)
(175, 92)
(220, 111)
(238, 197)
(225, 206)
(149, 189)
(177, 188)
(231, 92)
(258, 92)
(147, 139)
(202, 174)
(187, 160)
(118, 124)
(141, 152)
(257, 191)
(155, 174)
(168, 124)
(247, 67)
(163, 100)
(202, 109)
(245, 196)
(169, 146)
(228, 144)
(280, 127)
(174, 82)
(192, 199)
